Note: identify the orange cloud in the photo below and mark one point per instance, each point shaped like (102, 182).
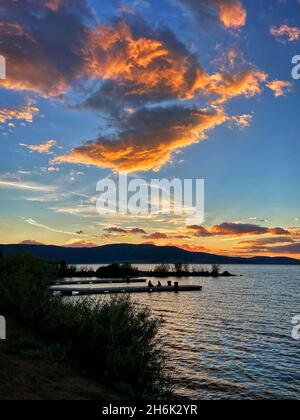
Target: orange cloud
(285, 33)
(192, 248)
(149, 68)
(280, 88)
(137, 68)
(231, 12)
(113, 53)
(41, 148)
(243, 83)
(25, 113)
(156, 135)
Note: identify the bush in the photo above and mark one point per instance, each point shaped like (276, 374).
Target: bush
(117, 270)
(216, 269)
(162, 270)
(115, 340)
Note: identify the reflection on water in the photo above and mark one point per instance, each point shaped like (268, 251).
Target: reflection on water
(233, 340)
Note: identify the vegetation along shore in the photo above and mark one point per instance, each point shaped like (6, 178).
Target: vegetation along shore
(114, 341)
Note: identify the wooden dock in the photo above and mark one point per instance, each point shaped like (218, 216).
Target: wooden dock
(123, 290)
(98, 281)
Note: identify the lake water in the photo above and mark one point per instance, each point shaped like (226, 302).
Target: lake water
(233, 340)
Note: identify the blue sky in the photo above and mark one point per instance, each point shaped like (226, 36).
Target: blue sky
(66, 85)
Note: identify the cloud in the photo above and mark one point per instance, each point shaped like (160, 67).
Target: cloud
(31, 242)
(285, 33)
(236, 229)
(13, 183)
(286, 249)
(24, 113)
(80, 244)
(42, 148)
(37, 224)
(156, 235)
(151, 66)
(268, 241)
(292, 248)
(148, 140)
(160, 235)
(231, 13)
(140, 67)
(280, 88)
(117, 230)
(199, 231)
(193, 248)
(33, 48)
(137, 69)
(242, 121)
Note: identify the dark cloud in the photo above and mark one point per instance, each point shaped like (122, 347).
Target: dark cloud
(230, 13)
(133, 231)
(160, 235)
(236, 229)
(42, 42)
(286, 249)
(268, 241)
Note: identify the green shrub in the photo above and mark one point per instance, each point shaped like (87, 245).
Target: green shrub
(113, 339)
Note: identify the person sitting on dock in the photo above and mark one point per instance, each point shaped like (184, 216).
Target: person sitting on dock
(159, 284)
(150, 284)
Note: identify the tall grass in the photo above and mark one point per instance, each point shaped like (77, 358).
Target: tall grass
(115, 340)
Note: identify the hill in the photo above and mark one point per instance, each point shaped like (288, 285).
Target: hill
(147, 254)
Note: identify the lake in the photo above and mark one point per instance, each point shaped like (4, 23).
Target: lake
(233, 340)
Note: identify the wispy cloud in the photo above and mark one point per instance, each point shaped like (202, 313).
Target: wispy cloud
(23, 185)
(36, 224)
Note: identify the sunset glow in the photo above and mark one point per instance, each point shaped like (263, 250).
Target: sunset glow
(155, 89)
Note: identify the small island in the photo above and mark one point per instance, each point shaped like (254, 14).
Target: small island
(128, 271)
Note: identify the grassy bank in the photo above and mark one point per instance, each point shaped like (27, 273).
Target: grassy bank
(31, 369)
(114, 341)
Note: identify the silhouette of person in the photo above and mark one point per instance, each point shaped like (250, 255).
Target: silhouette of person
(150, 284)
(159, 284)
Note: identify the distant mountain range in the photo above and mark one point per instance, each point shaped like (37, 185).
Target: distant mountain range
(148, 254)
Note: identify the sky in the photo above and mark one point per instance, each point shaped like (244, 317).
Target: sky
(188, 89)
